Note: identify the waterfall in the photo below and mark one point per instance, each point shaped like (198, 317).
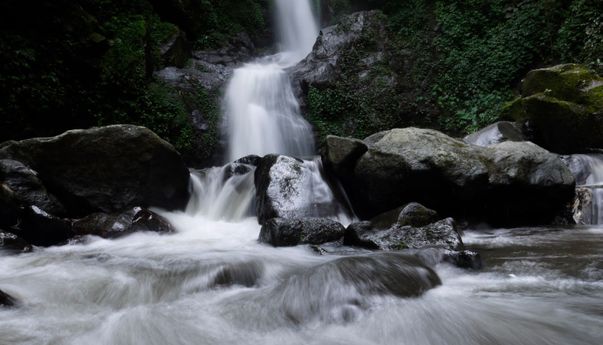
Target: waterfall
(588, 170)
(262, 115)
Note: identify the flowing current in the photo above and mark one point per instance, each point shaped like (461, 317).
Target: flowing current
(262, 113)
(213, 283)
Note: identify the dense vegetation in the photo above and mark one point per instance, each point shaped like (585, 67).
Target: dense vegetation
(78, 63)
(461, 57)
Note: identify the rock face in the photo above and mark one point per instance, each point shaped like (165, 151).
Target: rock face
(290, 232)
(105, 169)
(507, 183)
(27, 187)
(495, 134)
(322, 66)
(118, 225)
(561, 107)
(288, 187)
(342, 153)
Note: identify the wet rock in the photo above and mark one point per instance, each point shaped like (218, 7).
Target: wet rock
(415, 214)
(441, 234)
(351, 280)
(250, 160)
(122, 224)
(286, 187)
(495, 134)
(13, 243)
(464, 259)
(27, 187)
(244, 274)
(290, 232)
(561, 107)
(106, 169)
(7, 300)
(42, 229)
(506, 184)
(10, 210)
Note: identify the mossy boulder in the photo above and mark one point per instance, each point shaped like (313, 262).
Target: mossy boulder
(561, 108)
(511, 183)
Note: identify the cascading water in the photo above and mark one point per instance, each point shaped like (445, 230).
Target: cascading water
(262, 113)
(213, 283)
(588, 169)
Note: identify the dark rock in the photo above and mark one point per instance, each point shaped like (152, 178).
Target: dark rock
(441, 234)
(7, 300)
(119, 225)
(290, 232)
(561, 107)
(495, 134)
(305, 298)
(250, 160)
(13, 243)
(42, 229)
(341, 154)
(464, 259)
(507, 183)
(244, 274)
(9, 207)
(106, 169)
(234, 169)
(417, 215)
(176, 50)
(27, 187)
(285, 188)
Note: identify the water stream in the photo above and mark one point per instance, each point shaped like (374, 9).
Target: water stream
(213, 283)
(588, 170)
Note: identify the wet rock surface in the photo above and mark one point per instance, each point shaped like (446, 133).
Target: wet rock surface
(7, 300)
(290, 232)
(119, 225)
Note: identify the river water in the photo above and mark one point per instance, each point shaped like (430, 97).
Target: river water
(213, 283)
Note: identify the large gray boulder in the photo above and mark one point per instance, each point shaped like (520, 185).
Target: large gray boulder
(281, 232)
(106, 169)
(507, 183)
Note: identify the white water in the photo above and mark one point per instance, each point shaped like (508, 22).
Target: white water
(588, 170)
(213, 283)
(262, 113)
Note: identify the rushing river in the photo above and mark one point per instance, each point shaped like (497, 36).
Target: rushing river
(540, 286)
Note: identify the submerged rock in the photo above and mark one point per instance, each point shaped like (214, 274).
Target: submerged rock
(290, 232)
(7, 300)
(336, 288)
(562, 108)
(106, 169)
(507, 183)
(118, 225)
